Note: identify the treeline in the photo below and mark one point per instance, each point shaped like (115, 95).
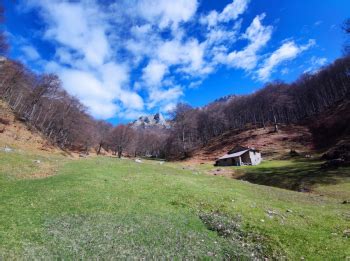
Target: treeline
(42, 103)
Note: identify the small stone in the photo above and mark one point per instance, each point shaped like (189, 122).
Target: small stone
(7, 149)
(346, 233)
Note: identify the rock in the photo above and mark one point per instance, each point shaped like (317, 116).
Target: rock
(37, 161)
(271, 213)
(151, 121)
(7, 149)
(305, 190)
(161, 162)
(346, 233)
(289, 211)
(138, 161)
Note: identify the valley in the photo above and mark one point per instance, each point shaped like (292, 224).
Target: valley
(174, 130)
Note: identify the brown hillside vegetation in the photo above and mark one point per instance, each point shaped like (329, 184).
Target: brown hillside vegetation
(15, 134)
(272, 144)
(331, 131)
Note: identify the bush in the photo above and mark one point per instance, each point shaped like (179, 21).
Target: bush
(4, 121)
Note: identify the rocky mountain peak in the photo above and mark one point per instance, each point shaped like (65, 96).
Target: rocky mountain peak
(151, 121)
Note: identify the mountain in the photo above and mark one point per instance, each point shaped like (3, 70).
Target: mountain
(223, 99)
(151, 121)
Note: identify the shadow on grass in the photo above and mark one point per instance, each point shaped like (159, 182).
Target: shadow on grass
(301, 175)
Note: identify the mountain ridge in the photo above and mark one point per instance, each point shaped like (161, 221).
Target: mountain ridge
(151, 121)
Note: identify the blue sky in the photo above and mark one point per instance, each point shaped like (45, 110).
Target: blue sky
(126, 58)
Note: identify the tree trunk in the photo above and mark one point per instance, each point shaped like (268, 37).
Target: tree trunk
(275, 121)
(99, 148)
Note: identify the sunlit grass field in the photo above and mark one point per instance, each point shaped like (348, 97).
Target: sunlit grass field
(105, 208)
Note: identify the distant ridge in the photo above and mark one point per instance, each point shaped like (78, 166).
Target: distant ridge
(151, 121)
(223, 99)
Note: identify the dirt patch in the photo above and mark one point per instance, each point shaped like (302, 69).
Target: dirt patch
(14, 133)
(252, 246)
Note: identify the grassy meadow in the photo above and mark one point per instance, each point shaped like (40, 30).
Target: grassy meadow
(106, 208)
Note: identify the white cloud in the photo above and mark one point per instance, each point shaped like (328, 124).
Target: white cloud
(84, 57)
(164, 97)
(30, 53)
(231, 12)
(288, 51)
(100, 90)
(78, 26)
(258, 36)
(154, 72)
(315, 64)
(164, 13)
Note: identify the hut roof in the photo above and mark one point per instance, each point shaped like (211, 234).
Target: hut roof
(234, 155)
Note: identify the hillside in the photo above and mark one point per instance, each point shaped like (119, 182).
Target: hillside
(326, 132)
(15, 134)
(270, 143)
(331, 130)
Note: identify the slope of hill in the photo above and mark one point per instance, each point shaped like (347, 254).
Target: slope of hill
(271, 144)
(331, 131)
(16, 135)
(327, 132)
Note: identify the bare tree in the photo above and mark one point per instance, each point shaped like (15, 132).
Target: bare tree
(119, 138)
(103, 129)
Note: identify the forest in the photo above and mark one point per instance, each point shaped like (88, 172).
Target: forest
(41, 102)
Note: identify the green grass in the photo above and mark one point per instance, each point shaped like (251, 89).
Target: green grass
(106, 208)
(294, 174)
